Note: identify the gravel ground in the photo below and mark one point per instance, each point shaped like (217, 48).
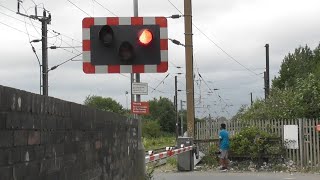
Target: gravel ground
(233, 176)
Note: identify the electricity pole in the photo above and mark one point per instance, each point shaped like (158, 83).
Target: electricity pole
(251, 99)
(176, 105)
(189, 66)
(45, 20)
(267, 76)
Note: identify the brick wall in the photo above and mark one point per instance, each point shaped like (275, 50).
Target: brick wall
(44, 138)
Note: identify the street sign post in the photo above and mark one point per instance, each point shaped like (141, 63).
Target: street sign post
(140, 108)
(140, 88)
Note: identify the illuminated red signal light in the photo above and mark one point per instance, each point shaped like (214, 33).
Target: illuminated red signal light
(145, 36)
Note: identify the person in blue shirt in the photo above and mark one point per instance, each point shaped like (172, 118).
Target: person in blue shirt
(224, 146)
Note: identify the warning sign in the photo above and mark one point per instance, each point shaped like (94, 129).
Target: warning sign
(140, 107)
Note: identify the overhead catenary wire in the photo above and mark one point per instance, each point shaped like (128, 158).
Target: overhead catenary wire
(220, 48)
(214, 43)
(17, 29)
(104, 7)
(175, 7)
(31, 24)
(23, 21)
(213, 90)
(148, 85)
(29, 34)
(56, 66)
(161, 82)
(34, 2)
(26, 12)
(50, 29)
(79, 8)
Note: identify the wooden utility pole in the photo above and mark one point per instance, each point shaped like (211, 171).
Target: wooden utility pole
(251, 99)
(189, 66)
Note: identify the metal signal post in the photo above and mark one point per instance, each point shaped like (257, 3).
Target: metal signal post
(141, 153)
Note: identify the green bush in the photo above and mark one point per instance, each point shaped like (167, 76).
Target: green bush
(211, 158)
(151, 128)
(253, 142)
(160, 142)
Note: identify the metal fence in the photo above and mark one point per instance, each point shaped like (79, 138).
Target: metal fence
(307, 154)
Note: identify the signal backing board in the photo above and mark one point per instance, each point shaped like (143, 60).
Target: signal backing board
(90, 68)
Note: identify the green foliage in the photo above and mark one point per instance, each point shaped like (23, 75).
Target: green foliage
(253, 142)
(160, 142)
(294, 66)
(303, 101)
(104, 104)
(163, 111)
(240, 113)
(295, 93)
(151, 129)
(150, 171)
(211, 159)
(172, 161)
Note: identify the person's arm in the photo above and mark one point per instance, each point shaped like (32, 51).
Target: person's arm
(220, 139)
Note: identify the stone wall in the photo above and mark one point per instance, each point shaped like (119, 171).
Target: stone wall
(44, 138)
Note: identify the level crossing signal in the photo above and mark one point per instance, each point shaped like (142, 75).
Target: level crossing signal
(125, 45)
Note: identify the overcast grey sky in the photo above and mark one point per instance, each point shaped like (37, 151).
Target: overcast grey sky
(241, 28)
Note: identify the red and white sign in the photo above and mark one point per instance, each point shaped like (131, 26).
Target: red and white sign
(89, 68)
(318, 127)
(140, 107)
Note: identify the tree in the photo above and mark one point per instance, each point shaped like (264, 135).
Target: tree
(294, 66)
(296, 92)
(104, 104)
(240, 113)
(163, 111)
(151, 129)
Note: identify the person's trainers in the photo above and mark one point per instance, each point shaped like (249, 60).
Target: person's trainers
(223, 169)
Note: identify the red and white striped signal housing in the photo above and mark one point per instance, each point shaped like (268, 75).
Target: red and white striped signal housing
(125, 45)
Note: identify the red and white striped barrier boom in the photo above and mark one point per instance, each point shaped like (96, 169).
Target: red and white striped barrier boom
(166, 154)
